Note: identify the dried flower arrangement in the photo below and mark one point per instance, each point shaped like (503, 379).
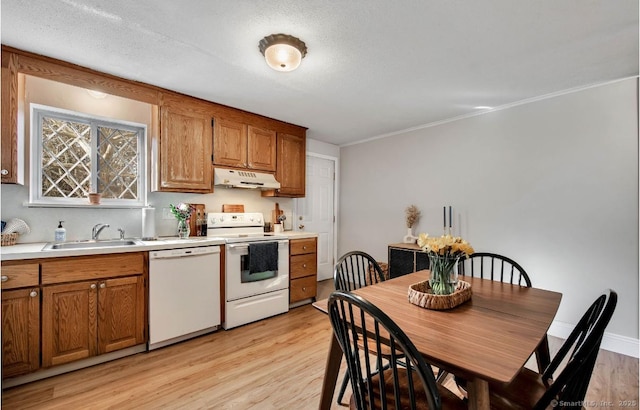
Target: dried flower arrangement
(413, 214)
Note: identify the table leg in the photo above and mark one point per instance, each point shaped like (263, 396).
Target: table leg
(331, 373)
(478, 393)
(543, 358)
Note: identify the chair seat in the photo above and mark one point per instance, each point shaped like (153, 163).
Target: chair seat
(449, 399)
(523, 392)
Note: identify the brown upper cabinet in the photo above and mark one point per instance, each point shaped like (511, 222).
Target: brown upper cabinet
(183, 142)
(185, 147)
(9, 139)
(240, 145)
(291, 167)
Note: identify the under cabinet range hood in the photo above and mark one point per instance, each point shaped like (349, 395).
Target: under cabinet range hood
(244, 179)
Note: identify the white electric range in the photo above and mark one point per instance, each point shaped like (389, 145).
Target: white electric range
(256, 267)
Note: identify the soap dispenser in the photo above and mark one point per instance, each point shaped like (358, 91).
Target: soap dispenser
(61, 233)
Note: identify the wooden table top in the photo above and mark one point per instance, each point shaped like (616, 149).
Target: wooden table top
(489, 337)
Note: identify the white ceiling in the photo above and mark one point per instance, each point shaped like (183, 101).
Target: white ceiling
(374, 67)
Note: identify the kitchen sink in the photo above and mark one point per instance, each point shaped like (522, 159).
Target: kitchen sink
(91, 244)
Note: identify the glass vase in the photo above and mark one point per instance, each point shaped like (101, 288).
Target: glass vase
(444, 274)
(183, 229)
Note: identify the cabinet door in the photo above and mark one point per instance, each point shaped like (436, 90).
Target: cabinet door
(261, 145)
(185, 150)
(291, 165)
(120, 313)
(69, 322)
(20, 331)
(303, 288)
(230, 144)
(422, 261)
(303, 265)
(401, 262)
(9, 125)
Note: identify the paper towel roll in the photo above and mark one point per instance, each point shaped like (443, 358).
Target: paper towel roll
(148, 223)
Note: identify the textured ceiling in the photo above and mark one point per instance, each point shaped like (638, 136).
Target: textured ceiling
(374, 67)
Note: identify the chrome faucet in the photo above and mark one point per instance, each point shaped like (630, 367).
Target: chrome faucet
(96, 230)
(121, 233)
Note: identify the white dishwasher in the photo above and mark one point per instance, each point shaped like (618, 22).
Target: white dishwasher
(184, 294)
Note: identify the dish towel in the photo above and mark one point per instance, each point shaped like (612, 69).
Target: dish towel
(263, 256)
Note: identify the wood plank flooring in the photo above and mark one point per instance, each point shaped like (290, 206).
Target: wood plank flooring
(276, 363)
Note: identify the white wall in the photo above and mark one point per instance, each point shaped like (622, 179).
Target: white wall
(79, 221)
(322, 148)
(552, 184)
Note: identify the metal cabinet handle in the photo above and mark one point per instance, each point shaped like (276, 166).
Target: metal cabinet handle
(93, 286)
(300, 226)
(33, 294)
(304, 265)
(4, 172)
(103, 285)
(4, 278)
(304, 247)
(304, 289)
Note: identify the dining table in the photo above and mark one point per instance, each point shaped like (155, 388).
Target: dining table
(487, 339)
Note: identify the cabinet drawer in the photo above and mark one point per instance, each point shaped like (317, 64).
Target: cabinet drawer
(20, 276)
(303, 265)
(91, 267)
(302, 246)
(303, 288)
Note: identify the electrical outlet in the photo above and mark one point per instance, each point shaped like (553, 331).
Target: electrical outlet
(166, 213)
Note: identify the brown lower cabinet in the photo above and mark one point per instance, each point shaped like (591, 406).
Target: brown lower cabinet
(89, 305)
(85, 319)
(303, 269)
(20, 331)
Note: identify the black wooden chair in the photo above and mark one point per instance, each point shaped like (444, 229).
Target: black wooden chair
(500, 268)
(355, 270)
(495, 267)
(395, 386)
(531, 390)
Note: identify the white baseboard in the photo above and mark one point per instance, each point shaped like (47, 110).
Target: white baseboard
(615, 343)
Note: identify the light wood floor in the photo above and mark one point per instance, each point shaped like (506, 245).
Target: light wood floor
(276, 363)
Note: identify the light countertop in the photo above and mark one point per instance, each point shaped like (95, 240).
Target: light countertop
(34, 250)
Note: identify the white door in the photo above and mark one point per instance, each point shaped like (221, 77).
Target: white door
(315, 212)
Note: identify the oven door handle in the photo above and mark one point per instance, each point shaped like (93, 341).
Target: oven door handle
(243, 246)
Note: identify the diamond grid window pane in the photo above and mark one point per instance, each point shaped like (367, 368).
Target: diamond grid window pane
(66, 158)
(117, 163)
(78, 154)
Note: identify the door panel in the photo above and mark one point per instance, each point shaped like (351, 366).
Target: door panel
(315, 212)
(68, 322)
(120, 313)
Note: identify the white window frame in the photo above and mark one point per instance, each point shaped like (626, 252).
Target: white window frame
(37, 111)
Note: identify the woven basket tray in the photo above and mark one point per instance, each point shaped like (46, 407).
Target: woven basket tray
(419, 294)
(9, 239)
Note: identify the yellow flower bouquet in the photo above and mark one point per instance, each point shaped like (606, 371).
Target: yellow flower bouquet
(444, 252)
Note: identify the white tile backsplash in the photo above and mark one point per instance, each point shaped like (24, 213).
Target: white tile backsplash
(79, 221)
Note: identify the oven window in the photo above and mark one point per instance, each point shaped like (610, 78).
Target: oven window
(246, 277)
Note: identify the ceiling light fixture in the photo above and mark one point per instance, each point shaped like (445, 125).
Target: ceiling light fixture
(282, 51)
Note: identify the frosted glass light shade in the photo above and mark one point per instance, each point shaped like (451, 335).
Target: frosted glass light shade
(282, 52)
(283, 57)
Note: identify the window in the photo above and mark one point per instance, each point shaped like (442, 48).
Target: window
(74, 154)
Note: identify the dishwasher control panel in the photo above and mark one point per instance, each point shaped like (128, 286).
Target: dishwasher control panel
(183, 252)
